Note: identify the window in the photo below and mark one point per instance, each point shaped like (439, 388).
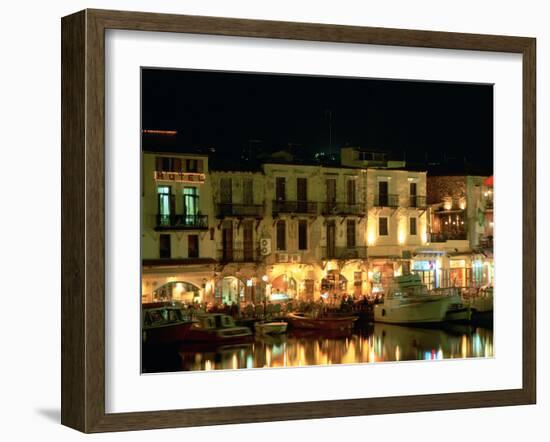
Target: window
(280, 190)
(383, 226)
(165, 205)
(412, 226)
(302, 235)
(350, 192)
(164, 246)
(193, 246)
(190, 202)
(350, 233)
(191, 166)
(281, 235)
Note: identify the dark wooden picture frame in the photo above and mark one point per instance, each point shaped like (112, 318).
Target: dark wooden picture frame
(83, 216)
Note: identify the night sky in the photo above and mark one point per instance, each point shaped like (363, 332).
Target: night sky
(420, 120)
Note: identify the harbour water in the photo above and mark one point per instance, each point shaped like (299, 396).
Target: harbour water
(369, 343)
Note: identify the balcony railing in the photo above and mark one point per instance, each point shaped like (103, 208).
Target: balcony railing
(386, 200)
(238, 253)
(342, 209)
(182, 222)
(442, 237)
(240, 210)
(357, 252)
(300, 207)
(417, 201)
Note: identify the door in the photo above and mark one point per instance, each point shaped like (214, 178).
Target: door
(280, 189)
(301, 193)
(350, 192)
(226, 190)
(331, 239)
(383, 193)
(165, 205)
(227, 241)
(331, 194)
(248, 196)
(190, 205)
(412, 193)
(248, 241)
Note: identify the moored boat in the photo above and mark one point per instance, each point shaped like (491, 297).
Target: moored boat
(482, 305)
(164, 323)
(301, 320)
(458, 312)
(217, 328)
(408, 301)
(270, 327)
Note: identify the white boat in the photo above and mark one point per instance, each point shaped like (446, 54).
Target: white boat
(408, 301)
(270, 328)
(482, 305)
(483, 301)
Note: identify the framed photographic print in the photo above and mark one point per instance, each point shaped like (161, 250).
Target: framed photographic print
(266, 221)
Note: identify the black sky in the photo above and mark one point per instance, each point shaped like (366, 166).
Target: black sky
(226, 110)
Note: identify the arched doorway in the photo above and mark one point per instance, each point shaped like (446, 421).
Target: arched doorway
(177, 291)
(230, 289)
(283, 288)
(333, 285)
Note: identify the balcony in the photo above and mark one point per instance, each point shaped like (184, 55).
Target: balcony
(238, 253)
(240, 210)
(295, 207)
(182, 222)
(342, 209)
(358, 252)
(386, 200)
(417, 201)
(449, 236)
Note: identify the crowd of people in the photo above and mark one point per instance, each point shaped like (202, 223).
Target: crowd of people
(269, 309)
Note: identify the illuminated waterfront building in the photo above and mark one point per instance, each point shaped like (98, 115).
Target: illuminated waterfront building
(282, 230)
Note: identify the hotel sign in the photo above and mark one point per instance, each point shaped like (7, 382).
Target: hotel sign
(180, 177)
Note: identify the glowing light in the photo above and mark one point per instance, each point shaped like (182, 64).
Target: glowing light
(159, 132)
(265, 278)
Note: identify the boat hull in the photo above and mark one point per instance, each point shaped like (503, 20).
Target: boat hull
(166, 334)
(271, 328)
(419, 312)
(220, 337)
(329, 323)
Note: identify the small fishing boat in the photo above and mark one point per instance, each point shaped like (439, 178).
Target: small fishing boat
(164, 323)
(408, 301)
(270, 327)
(304, 321)
(217, 328)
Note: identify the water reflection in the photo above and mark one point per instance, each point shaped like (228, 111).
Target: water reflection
(373, 343)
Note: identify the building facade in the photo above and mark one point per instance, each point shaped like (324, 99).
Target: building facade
(284, 231)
